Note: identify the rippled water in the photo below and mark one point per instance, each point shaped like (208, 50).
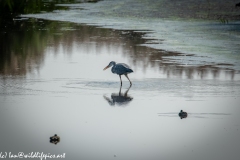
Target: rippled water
(52, 82)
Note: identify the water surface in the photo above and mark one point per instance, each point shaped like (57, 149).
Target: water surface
(198, 32)
(52, 82)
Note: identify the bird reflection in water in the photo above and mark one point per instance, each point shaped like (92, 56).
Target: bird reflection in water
(119, 98)
(55, 139)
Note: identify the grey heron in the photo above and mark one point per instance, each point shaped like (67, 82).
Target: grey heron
(120, 69)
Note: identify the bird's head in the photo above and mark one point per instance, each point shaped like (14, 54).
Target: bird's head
(112, 63)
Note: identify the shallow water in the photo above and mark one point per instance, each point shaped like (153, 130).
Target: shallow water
(212, 42)
(53, 83)
(64, 91)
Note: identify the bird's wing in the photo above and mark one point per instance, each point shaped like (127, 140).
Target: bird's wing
(124, 65)
(122, 68)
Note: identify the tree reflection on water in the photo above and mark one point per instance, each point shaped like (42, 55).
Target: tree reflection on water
(23, 43)
(23, 47)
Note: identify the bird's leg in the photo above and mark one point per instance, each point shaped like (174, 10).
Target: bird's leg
(128, 79)
(125, 94)
(120, 79)
(120, 90)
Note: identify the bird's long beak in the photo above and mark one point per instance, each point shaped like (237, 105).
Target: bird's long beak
(106, 67)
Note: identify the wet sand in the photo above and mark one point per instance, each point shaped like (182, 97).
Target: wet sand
(53, 83)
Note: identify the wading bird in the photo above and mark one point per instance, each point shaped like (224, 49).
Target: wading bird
(120, 69)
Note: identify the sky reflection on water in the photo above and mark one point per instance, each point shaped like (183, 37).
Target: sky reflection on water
(212, 42)
(29, 43)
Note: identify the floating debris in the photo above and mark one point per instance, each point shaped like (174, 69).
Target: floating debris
(55, 139)
(182, 114)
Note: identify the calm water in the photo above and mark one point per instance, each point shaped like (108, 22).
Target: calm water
(52, 82)
(212, 42)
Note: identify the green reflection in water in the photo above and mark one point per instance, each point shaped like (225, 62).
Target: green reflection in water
(9, 9)
(23, 45)
(31, 6)
(23, 42)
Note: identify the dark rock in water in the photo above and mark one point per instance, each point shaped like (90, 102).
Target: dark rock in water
(55, 139)
(237, 5)
(182, 114)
